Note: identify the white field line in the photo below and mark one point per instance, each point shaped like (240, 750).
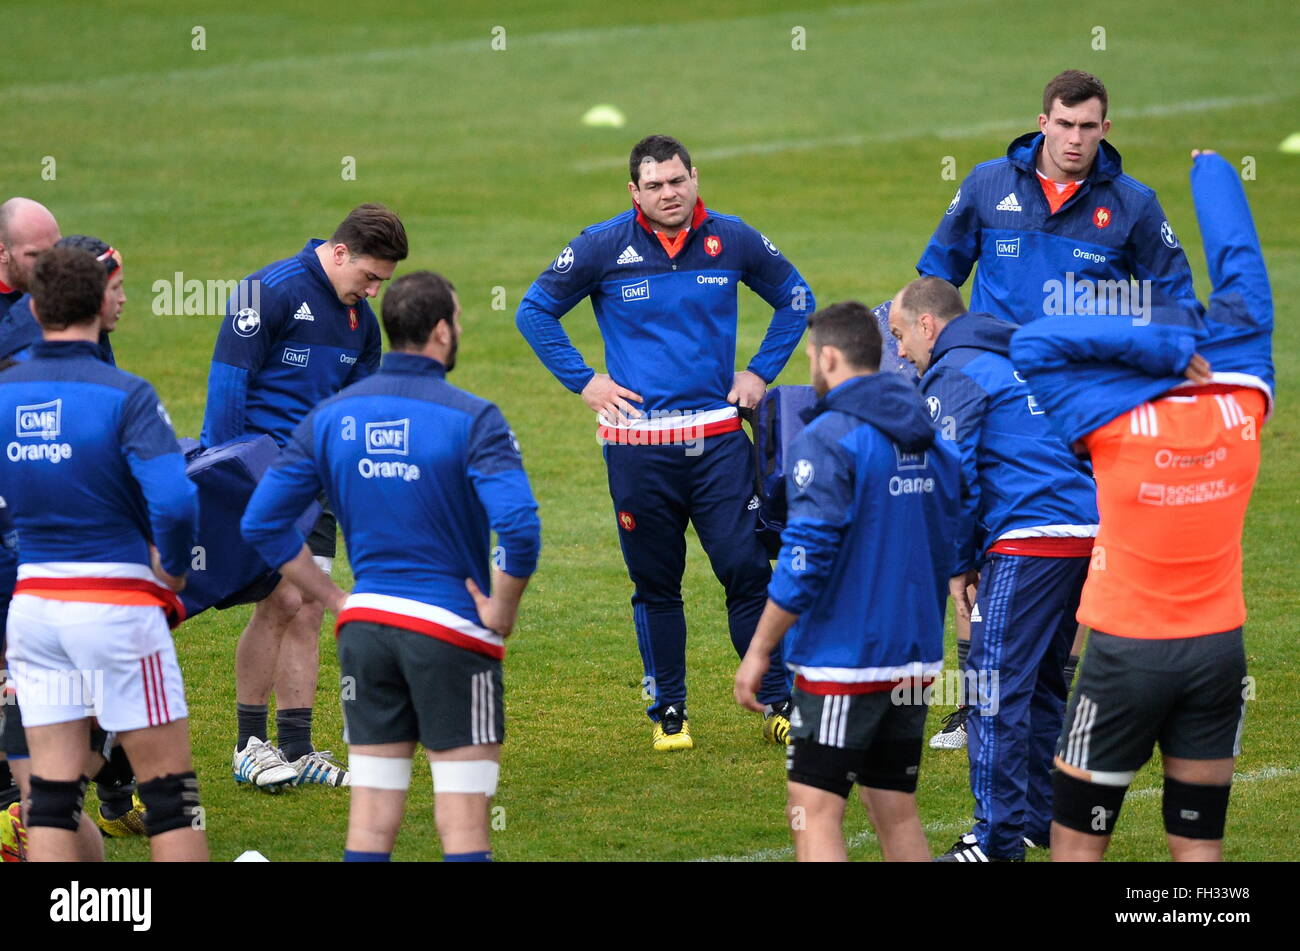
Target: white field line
(936, 828)
(1022, 123)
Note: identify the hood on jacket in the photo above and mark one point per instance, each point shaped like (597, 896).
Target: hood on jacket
(885, 400)
(1023, 154)
(981, 331)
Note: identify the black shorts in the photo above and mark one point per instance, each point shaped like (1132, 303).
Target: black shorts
(400, 686)
(13, 738)
(868, 739)
(1185, 693)
(324, 538)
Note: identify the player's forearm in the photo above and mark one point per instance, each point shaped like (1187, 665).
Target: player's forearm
(774, 623)
(172, 502)
(1232, 249)
(544, 334)
(789, 320)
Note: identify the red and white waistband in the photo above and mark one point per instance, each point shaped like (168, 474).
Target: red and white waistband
(669, 427)
(422, 618)
(101, 582)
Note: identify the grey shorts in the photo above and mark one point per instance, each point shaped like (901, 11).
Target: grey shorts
(1186, 693)
(400, 686)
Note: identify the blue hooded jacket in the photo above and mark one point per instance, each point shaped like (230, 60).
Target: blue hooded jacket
(1110, 229)
(1087, 372)
(868, 548)
(1020, 479)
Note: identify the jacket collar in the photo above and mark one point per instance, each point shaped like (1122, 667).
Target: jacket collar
(1023, 154)
(415, 363)
(47, 349)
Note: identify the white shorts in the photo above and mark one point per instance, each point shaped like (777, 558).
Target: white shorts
(76, 659)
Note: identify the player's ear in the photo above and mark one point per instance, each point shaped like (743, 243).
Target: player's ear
(1042, 122)
(1105, 127)
(632, 190)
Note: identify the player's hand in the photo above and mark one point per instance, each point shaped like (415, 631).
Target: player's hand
(610, 400)
(962, 589)
(747, 390)
(1198, 369)
(749, 679)
(492, 612)
(175, 583)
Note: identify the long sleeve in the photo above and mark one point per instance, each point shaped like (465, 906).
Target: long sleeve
(497, 473)
(773, 278)
(955, 245)
(158, 466)
(556, 291)
(285, 492)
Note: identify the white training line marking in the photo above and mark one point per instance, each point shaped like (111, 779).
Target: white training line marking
(934, 828)
(941, 132)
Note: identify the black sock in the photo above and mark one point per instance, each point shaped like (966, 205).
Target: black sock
(252, 722)
(293, 732)
(114, 801)
(6, 777)
(1070, 666)
(963, 661)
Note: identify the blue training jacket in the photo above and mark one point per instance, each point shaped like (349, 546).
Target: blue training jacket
(869, 545)
(1021, 480)
(669, 324)
(92, 469)
(418, 472)
(1086, 373)
(286, 343)
(19, 330)
(1111, 228)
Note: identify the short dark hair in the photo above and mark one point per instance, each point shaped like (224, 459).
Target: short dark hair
(850, 328)
(96, 246)
(374, 231)
(930, 295)
(67, 288)
(414, 305)
(661, 148)
(1073, 87)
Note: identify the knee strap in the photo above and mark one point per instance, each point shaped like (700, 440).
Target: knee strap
(1195, 811)
(171, 802)
(1091, 808)
(465, 776)
(380, 772)
(56, 804)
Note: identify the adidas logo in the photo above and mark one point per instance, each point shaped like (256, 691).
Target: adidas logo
(303, 312)
(975, 613)
(629, 256)
(1010, 203)
(753, 504)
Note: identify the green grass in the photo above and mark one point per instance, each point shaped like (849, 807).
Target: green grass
(214, 163)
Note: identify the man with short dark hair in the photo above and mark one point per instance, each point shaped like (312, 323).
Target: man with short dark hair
(420, 473)
(296, 331)
(106, 517)
(662, 278)
(1028, 520)
(1057, 204)
(861, 579)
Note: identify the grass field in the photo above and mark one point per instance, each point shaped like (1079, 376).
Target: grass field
(214, 162)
